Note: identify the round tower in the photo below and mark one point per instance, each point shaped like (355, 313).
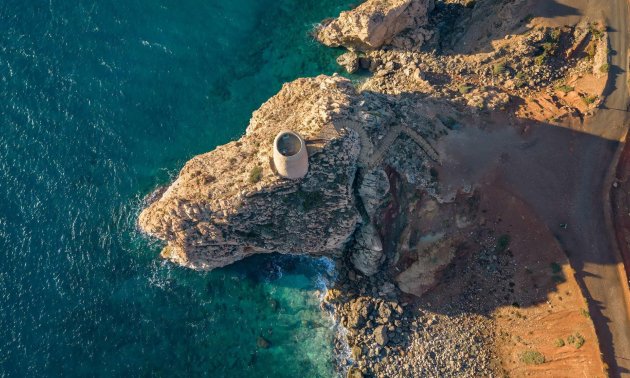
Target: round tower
(290, 155)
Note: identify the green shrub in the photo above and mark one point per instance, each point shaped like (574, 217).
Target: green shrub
(604, 68)
(559, 343)
(590, 50)
(549, 47)
(256, 174)
(555, 35)
(588, 100)
(463, 89)
(585, 313)
(520, 79)
(565, 88)
(498, 68)
(579, 341)
(502, 243)
(555, 268)
(558, 279)
(532, 357)
(595, 31)
(450, 122)
(540, 59)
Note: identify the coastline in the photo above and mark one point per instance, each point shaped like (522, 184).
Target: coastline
(397, 240)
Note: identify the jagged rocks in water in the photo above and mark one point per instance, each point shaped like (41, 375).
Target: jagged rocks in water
(374, 23)
(349, 61)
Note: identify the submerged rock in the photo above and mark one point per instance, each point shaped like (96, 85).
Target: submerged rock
(263, 343)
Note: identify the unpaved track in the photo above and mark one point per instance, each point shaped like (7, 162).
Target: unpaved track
(602, 279)
(568, 185)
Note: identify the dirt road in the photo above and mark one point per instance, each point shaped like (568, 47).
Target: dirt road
(562, 174)
(570, 189)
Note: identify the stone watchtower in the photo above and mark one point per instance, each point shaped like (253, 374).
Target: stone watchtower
(290, 155)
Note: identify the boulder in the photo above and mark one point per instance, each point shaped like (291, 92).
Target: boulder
(374, 23)
(367, 251)
(380, 335)
(373, 188)
(349, 61)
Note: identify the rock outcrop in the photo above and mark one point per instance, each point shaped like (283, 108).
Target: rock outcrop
(228, 204)
(374, 23)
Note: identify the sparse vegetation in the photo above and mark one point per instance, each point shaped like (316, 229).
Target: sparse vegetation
(555, 268)
(585, 313)
(558, 279)
(499, 68)
(565, 88)
(559, 343)
(590, 50)
(255, 174)
(555, 34)
(549, 48)
(520, 79)
(579, 341)
(588, 100)
(595, 32)
(540, 59)
(532, 357)
(502, 243)
(464, 88)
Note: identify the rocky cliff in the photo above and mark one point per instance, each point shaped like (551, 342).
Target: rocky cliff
(228, 204)
(374, 23)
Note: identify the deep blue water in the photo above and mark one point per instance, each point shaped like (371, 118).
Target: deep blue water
(102, 101)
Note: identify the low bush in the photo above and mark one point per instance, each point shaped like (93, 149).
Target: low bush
(255, 174)
(463, 89)
(532, 357)
(565, 88)
(499, 68)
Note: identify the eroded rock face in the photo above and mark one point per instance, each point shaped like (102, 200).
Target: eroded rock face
(228, 204)
(374, 23)
(367, 252)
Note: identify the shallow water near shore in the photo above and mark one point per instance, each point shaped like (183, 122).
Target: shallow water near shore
(103, 102)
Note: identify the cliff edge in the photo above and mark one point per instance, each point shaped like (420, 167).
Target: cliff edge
(228, 204)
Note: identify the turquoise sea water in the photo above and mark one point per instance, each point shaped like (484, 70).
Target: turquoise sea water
(102, 101)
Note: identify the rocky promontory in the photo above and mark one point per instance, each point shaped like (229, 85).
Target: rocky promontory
(403, 166)
(375, 23)
(228, 204)
(231, 203)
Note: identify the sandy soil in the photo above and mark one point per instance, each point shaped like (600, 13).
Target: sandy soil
(551, 310)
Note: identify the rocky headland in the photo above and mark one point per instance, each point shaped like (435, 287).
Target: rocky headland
(429, 278)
